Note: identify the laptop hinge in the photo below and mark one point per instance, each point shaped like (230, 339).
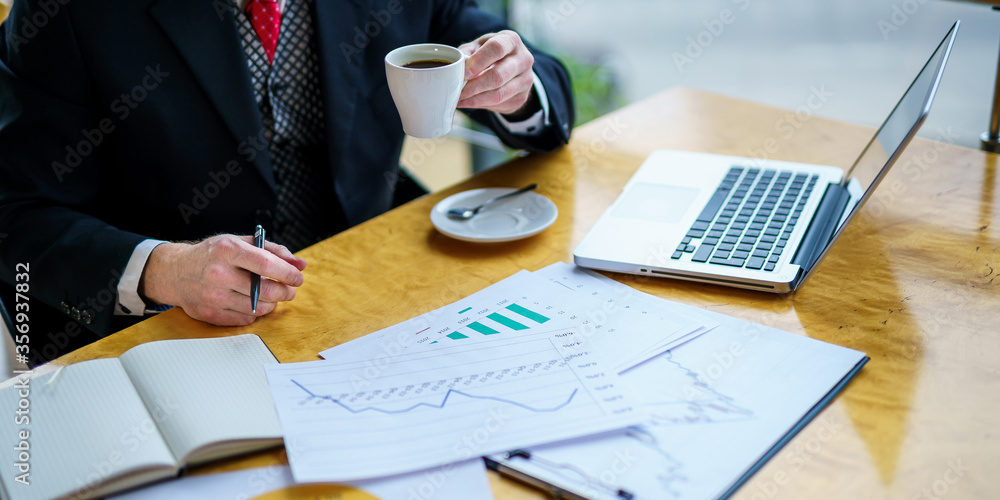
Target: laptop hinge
(822, 228)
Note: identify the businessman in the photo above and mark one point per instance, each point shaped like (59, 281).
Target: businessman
(138, 137)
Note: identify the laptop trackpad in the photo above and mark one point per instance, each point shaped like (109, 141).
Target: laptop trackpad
(656, 202)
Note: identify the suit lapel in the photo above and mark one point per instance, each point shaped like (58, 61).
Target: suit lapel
(335, 21)
(205, 33)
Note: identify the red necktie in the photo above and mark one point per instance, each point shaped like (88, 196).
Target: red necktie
(266, 19)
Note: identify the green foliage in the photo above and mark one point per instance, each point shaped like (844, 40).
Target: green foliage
(594, 88)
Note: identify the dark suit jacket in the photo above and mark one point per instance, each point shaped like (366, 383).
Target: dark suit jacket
(122, 120)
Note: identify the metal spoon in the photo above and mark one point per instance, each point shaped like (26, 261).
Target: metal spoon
(468, 213)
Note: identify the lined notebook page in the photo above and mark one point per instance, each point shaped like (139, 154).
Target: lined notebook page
(88, 426)
(214, 390)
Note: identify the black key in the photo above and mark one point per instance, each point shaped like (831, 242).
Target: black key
(689, 248)
(767, 206)
(720, 255)
(713, 206)
(777, 251)
(728, 262)
(726, 247)
(775, 224)
(715, 234)
(777, 218)
(764, 245)
(773, 258)
(755, 263)
(729, 212)
(718, 227)
(752, 233)
(681, 247)
(769, 266)
(771, 232)
(723, 221)
(760, 253)
(745, 248)
(740, 255)
(743, 218)
(781, 243)
(676, 255)
(702, 254)
(727, 184)
(695, 233)
(699, 225)
(754, 198)
(767, 239)
(792, 221)
(738, 225)
(784, 175)
(734, 233)
(730, 239)
(756, 226)
(748, 240)
(770, 172)
(782, 211)
(711, 241)
(686, 240)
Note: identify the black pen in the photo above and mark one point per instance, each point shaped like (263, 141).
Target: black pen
(258, 241)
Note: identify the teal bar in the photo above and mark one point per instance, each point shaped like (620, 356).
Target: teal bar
(527, 313)
(457, 336)
(505, 321)
(481, 328)
(467, 309)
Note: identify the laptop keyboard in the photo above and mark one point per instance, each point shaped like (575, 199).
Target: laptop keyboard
(749, 218)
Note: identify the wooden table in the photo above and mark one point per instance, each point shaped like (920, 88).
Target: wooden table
(912, 284)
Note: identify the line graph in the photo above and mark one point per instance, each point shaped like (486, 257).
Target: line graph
(430, 407)
(437, 406)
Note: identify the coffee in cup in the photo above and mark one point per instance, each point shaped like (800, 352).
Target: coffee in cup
(425, 81)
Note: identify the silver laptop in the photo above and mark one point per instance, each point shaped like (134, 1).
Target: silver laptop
(746, 222)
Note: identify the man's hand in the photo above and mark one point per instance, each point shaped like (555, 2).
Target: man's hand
(210, 279)
(498, 73)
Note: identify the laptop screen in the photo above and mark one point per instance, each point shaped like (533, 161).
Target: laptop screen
(896, 132)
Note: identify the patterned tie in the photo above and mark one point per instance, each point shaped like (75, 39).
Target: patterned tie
(266, 19)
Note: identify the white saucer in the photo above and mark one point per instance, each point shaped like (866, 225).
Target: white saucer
(506, 220)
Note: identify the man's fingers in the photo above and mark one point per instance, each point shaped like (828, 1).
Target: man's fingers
(491, 51)
(267, 264)
(502, 73)
(285, 254)
(270, 290)
(506, 99)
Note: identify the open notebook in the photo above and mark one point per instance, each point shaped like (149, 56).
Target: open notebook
(110, 424)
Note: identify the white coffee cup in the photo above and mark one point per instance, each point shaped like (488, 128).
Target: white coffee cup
(426, 98)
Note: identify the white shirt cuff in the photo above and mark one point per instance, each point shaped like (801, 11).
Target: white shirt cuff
(129, 301)
(534, 124)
